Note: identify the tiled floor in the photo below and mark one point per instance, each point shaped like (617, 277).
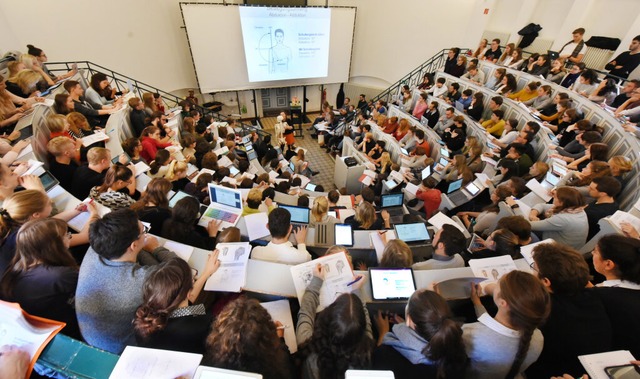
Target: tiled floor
(317, 157)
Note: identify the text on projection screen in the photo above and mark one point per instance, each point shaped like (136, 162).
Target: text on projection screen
(285, 43)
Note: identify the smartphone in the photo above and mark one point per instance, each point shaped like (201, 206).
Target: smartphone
(623, 372)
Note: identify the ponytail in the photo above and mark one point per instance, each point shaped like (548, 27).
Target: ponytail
(162, 157)
(521, 353)
(433, 321)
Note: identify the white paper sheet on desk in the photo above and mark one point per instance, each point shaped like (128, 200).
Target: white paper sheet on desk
(202, 171)
(181, 250)
(303, 180)
(482, 179)
(93, 138)
(488, 160)
(141, 168)
(621, 216)
(273, 175)
(280, 311)
(47, 102)
(337, 275)
(527, 250)
(78, 223)
(143, 363)
(142, 181)
(365, 179)
(33, 166)
(440, 219)
(232, 274)
(225, 162)
(595, 364)
(346, 201)
(411, 188)
(257, 225)
(397, 176)
(525, 208)
(370, 173)
(539, 190)
(378, 244)
(492, 268)
(28, 149)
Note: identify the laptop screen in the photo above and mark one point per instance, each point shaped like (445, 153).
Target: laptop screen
(472, 189)
(559, 170)
(426, 172)
(391, 283)
(225, 196)
(299, 215)
(234, 171)
(251, 155)
(404, 151)
(246, 139)
(310, 187)
(48, 181)
(392, 200)
(454, 186)
(248, 146)
(413, 232)
(444, 152)
(176, 197)
(552, 179)
(391, 184)
(443, 161)
(344, 234)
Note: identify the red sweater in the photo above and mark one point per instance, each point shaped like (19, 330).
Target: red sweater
(150, 147)
(431, 199)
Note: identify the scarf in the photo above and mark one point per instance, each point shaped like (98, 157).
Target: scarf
(408, 343)
(576, 51)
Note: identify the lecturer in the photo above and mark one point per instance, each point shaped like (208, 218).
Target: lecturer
(280, 54)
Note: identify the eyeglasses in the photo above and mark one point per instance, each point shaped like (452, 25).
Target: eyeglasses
(533, 266)
(145, 230)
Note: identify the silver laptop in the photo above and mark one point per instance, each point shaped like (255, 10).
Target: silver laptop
(226, 206)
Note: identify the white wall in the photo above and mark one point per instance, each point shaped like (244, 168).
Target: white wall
(144, 38)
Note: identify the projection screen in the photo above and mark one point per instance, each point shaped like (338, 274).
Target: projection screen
(285, 46)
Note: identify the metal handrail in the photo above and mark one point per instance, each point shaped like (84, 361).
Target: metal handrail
(414, 77)
(121, 82)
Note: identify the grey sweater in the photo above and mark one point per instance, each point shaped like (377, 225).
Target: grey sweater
(108, 295)
(306, 320)
(568, 228)
(492, 347)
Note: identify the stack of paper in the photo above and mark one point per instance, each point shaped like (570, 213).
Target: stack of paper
(337, 275)
(280, 311)
(492, 268)
(257, 225)
(144, 363)
(440, 219)
(232, 274)
(539, 190)
(596, 363)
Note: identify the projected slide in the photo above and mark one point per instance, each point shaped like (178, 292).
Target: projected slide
(285, 43)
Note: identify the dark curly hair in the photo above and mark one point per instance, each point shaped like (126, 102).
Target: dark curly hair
(244, 338)
(340, 339)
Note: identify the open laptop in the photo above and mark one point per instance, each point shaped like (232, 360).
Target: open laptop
(553, 55)
(251, 155)
(559, 170)
(391, 284)
(392, 203)
(299, 215)
(426, 172)
(414, 232)
(444, 152)
(550, 180)
(177, 197)
(226, 205)
(462, 194)
(48, 181)
(440, 165)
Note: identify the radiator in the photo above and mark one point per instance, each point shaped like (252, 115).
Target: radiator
(597, 58)
(353, 92)
(490, 35)
(539, 45)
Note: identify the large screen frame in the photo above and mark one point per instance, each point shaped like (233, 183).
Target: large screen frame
(223, 68)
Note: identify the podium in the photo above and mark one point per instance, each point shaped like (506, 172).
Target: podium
(345, 176)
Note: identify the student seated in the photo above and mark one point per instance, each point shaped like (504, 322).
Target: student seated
(320, 212)
(183, 225)
(617, 258)
(448, 243)
(254, 200)
(92, 174)
(339, 338)
(153, 206)
(578, 323)
(244, 337)
(427, 343)
(165, 320)
(110, 284)
(43, 275)
(118, 188)
(367, 219)
(506, 344)
(430, 196)
(396, 254)
(63, 165)
(279, 249)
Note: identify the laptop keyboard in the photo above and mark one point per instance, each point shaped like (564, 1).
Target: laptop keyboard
(395, 212)
(219, 214)
(458, 198)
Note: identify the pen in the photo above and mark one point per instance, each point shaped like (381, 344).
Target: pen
(355, 281)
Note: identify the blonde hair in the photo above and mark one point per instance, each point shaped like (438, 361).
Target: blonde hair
(147, 99)
(621, 163)
(384, 159)
(396, 254)
(13, 68)
(320, 208)
(56, 123)
(365, 215)
(29, 61)
(97, 154)
(56, 145)
(174, 168)
(20, 207)
(27, 80)
(78, 122)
